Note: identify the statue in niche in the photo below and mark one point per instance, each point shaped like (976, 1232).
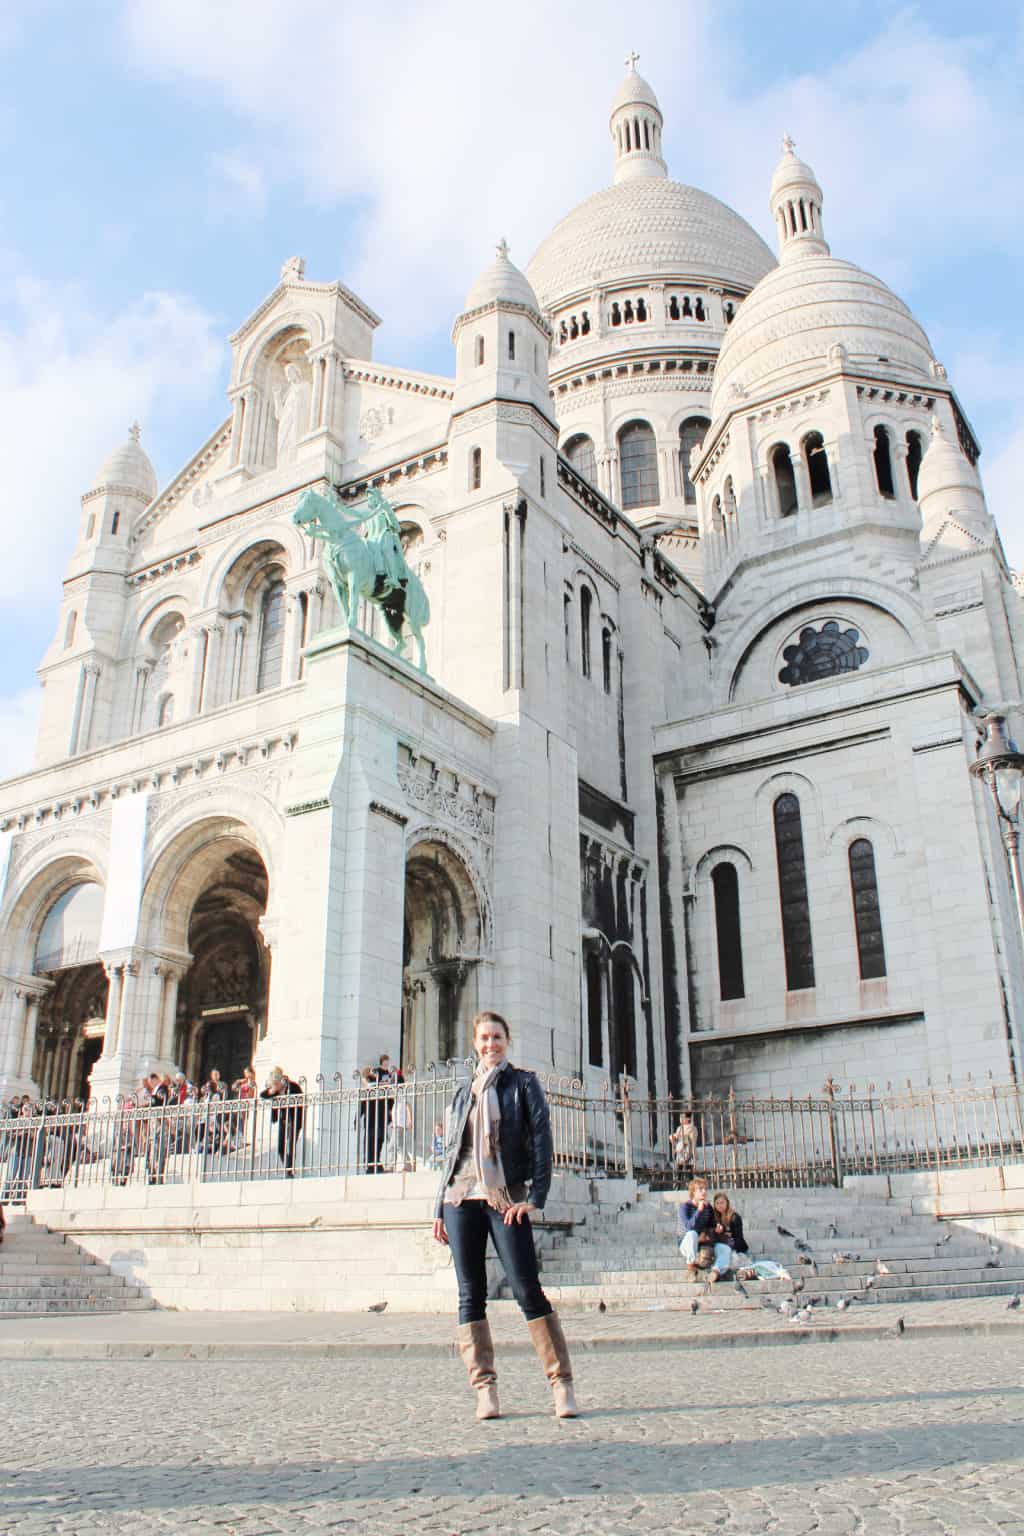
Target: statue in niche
(365, 559)
(288, 404)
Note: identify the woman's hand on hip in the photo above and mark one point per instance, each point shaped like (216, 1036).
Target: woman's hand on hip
(440, 1235)
(515, 1213)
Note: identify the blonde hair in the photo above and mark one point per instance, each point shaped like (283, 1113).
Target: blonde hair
(696, 1184)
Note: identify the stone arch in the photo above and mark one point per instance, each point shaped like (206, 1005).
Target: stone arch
(851, 828)
(226, 578)
(736, 653)
(713, 856)
(282, 328)
(447, 929)
(38, 883)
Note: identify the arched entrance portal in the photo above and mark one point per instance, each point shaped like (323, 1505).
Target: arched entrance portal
(442, 945)
(222, 1008)
(70, 1027)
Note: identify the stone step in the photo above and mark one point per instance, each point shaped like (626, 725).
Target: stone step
(825, 1285)
(723, 1297)
(103, 1285)
(39, 1306)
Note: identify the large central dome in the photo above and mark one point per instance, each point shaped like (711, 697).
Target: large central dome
(642, 228)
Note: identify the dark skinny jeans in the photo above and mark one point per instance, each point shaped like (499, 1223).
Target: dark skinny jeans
(468, 1226)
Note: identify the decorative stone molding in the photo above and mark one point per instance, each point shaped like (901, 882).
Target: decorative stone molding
(307, 807)
(169, 567)
(433, 458)
(394, 378)
(446, 802)
(388, 812)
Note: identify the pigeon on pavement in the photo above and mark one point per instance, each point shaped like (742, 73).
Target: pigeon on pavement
(1013, 1303)
(898, 1327)
(378, 1306)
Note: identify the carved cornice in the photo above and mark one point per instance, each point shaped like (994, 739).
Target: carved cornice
(398, 379)
(444, 801)
(431, 458)
(194, 470)
(168, 567)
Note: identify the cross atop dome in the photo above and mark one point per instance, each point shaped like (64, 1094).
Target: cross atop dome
(135, 432)
(788, 144)
(632, 60)
(502, 249)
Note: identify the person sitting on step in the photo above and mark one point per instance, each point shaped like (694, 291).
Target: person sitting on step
(695, 1225)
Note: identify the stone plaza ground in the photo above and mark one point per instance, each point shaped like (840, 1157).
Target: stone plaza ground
(914, 1436)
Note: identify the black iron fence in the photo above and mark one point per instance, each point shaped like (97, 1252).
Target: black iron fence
(741, 1142)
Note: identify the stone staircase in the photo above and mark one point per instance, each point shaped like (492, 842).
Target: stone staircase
(629, 1259)
(43, 1274)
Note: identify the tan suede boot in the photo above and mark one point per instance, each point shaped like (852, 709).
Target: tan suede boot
(477, 1349)
(553, 1352)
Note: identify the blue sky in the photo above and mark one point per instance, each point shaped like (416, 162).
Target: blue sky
(161, 158)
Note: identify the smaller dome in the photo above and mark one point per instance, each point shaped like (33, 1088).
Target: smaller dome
(945, 469)
(501, 282)
(634, 92)
(791, 171)
(130, 466)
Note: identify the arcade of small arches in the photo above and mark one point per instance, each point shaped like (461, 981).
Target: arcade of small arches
(637, 455)
(194, 990)
(591, 625)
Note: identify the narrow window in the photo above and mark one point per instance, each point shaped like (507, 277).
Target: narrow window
(563, 334)
(585, 323)
(271, 653)
(586, 603)
(574, 329)
(785, 480)
(687, 307)
(543, 490)
(729, 310)
(115, 522)
(90, 527)
(803, 216)
(165, 713)
(627, 311)
(479, 351)
(623, 1021)
(628, 145)
(690, 435)
(579, 450)
(511, 346)
(698, 310)
(69, 629)
(638, 463)
(793, 900)
(476, 469)
(914, 456)
(673, 308)
(726, 886)
(883, 464)
(817, 469)
(567, 625)
(606, 658)
(303, 629)
(595, 1009)
(867, 917)
(718, 521)
(647, 134)
(641, 309)
(616, 315)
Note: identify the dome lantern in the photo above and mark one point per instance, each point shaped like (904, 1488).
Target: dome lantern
(129, 468)
(796, 207)
(635, 125)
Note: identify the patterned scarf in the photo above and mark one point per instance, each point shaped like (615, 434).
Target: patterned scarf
(490, 1175)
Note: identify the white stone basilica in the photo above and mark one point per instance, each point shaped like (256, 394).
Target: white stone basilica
(717, 607)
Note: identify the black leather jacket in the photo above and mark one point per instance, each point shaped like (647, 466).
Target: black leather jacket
(524, 1136)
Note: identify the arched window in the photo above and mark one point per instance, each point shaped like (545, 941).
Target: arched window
(627, 311)
(586, 604)
(476, 469)
(115, 522)
(673, 308)
(165, 711)
(785, 480)
(511, 346)
(623, 1020)
(691, 433)
(478, 351)
(595, 1009)
(69, 629)
(883, 463)
(271, 653)
(817, 469)
(726, 886)
(567, 625)
(729, 508)
(698, 310)
(616, 315)
(606, 658)
(638, 464)
(641, 309)
(579, 450)
(793, 899)
(867, 917)
(718, 521)
(915, 453)
(585, 324)
(304, 625)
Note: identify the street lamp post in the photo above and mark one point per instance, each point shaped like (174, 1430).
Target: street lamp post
(1000, 767)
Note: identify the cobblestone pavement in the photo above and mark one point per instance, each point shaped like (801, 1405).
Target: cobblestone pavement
(915, 1437)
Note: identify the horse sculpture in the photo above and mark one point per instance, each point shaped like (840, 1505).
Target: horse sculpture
(364, 559)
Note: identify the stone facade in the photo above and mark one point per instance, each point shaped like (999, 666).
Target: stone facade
(717, 607)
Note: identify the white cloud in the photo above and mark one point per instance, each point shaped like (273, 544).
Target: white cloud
(19, 717)
(72, 379)
(238, 184)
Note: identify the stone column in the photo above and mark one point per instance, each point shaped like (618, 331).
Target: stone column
(607, 461)
(292, 636)
(238, 629)
(143, 670)
(92, 670)
(170, 974)
(237, 428)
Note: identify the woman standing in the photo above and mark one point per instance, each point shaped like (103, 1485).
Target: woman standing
(497, 1169)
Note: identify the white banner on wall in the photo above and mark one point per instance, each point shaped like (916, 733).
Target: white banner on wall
(124, 879)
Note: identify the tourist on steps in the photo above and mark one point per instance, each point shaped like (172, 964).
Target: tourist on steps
(695, 1225)
(497, 1169)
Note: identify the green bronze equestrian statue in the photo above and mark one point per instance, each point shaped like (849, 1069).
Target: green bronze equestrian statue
(365, 559)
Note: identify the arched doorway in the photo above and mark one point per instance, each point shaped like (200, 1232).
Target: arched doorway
(442, 950)
(222, 1008)
(70, 1027)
